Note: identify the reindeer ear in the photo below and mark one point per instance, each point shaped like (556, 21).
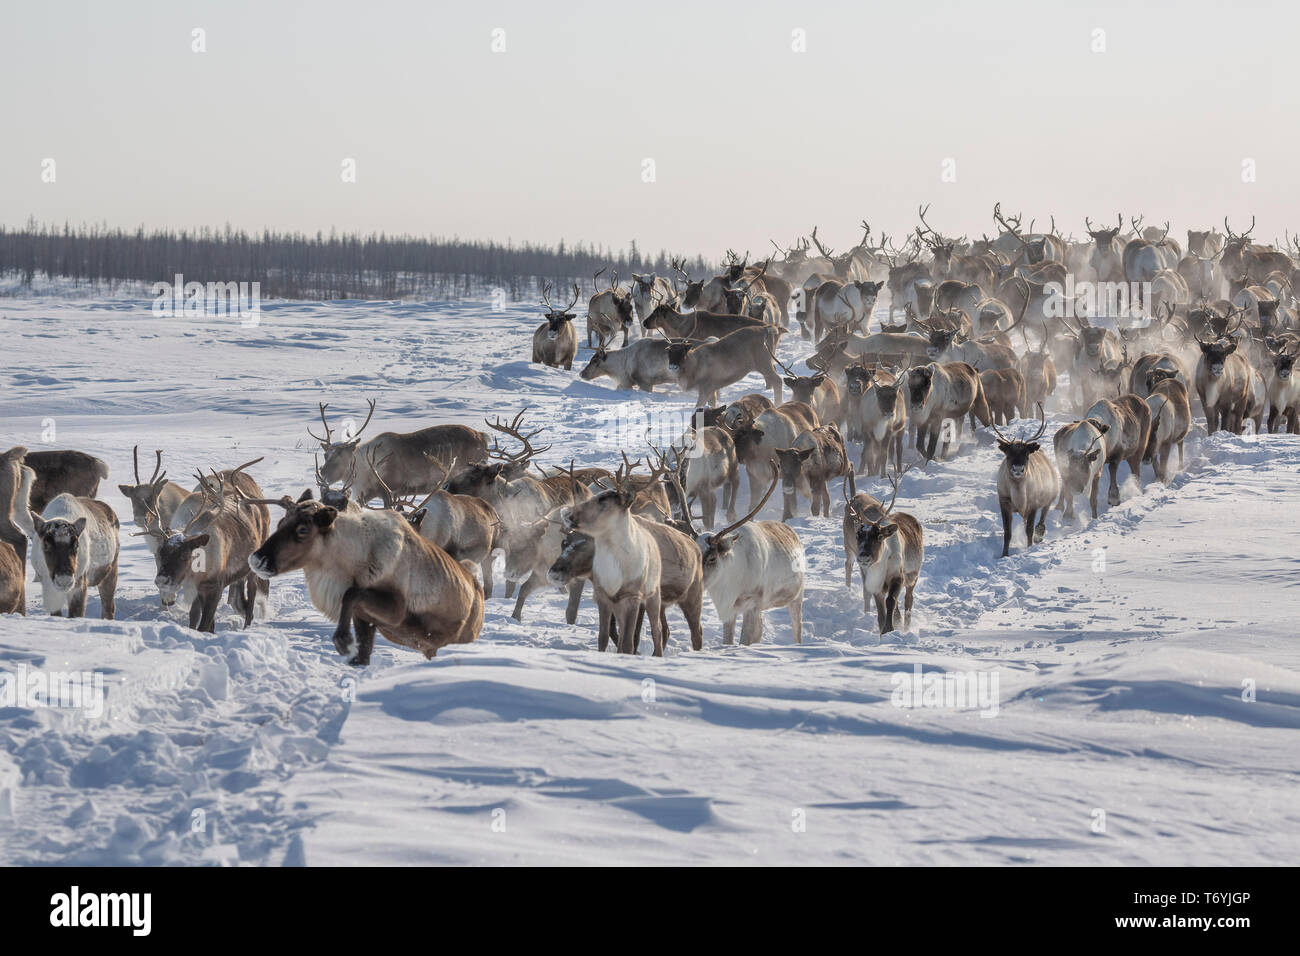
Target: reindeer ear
(1033, 446)
(1100, 426)
(198, 541)
(790, 382)
(325, 517)
(1003, 446)
(887, 530)
(126, 490)
(804, 453)
(416, 518)
(79, 526)
(38, 523)
(724, 543)
(305, 496)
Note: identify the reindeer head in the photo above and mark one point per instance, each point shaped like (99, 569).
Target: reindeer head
(1283, 363)
(876, 526)
(789, 465)
(1017, 451)
(919, 381)
(1104, 238)
(1215, 352)
(1079, 461)
(940, 341)
(857, 379)
(340, 456)
(1091, 338)
(493, 477)
(577, 552)
(556, 319)
(716, 548)
(299, 540)
(678, 350)
(59, 541)
(143, 495)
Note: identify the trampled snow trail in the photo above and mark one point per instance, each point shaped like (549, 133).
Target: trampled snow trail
(1123, 648)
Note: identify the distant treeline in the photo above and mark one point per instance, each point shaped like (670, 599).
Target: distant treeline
(323, 266)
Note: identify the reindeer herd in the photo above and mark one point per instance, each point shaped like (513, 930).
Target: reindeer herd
(1124, 332)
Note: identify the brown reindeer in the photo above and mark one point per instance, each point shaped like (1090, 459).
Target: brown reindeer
(370, 570)
(407, 457)
(816, 457)
(65, 471)
(555, 343)
(211, 551)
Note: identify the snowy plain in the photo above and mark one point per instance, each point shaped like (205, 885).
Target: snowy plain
(1123, 648)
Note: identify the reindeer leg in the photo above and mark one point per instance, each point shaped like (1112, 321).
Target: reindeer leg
(1028, 518)
(692, 605)
(575, 598)
(529, 585)
(796, 619)
(891, 601)
(1112, 494)
(729, 630)
(77, 603)
(211, 600)
(107, 585)
(364, 632)
(751, 626)
(1005, 506)
(627, 610)
(907, 605)
(653, 608)
(485, 566)
(881, 624)
(636, 636)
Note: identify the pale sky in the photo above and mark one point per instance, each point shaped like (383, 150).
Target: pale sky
(749, 138)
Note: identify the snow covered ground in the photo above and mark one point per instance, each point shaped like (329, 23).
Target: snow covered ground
(1145, 711)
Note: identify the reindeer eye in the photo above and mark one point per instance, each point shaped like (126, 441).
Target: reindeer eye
(302, 531)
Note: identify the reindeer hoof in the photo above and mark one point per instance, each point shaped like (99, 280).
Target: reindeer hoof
(1112, 498)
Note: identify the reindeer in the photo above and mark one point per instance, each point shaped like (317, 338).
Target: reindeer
(705, 463)
(944, 393)
(1107, 257)
(555, 343)
(1005, 392)
(698, 324)
(859, 506)
(1128, 422)
(466, 527)
(1039, 372)
(747, 408)
(74, 542)
(1284, 391)
(652, 289)
(210, 553)
(1223, 381)
(883, 417)
(817, 391)
(709, 367)
(756, 439)
(750, 566)
(518, 498)
(1027, 485)
(816, 457)
(1171, 418)
(369, 569)
(891, 549)
(643, 364)
(157, 495)
(407, 458)
(627, 568)
(15, 487)
(1080, 453)
(609, 311)
(63, 472)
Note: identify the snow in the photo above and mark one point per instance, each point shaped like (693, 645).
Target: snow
(1147, 672)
